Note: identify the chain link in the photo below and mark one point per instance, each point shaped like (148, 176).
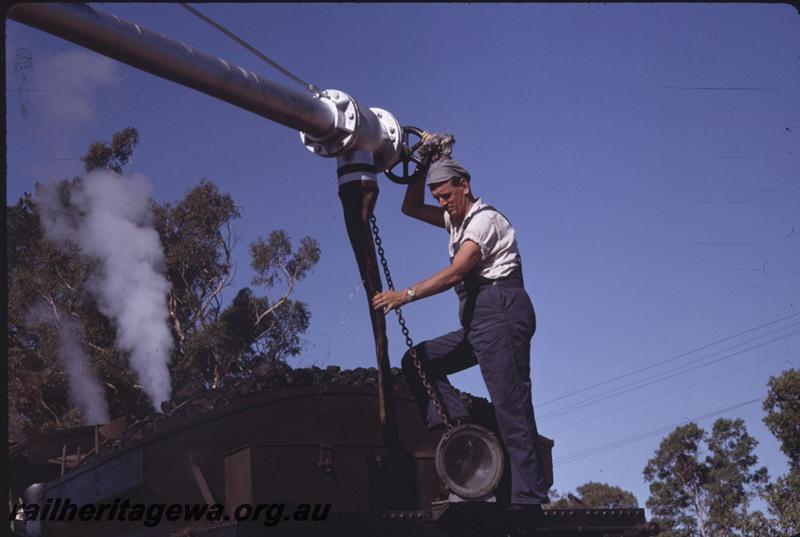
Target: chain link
(412, 351)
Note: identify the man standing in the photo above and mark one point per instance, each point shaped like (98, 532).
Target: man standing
(496, 315)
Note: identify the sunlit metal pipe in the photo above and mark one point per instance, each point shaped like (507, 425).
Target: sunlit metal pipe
(155, 53)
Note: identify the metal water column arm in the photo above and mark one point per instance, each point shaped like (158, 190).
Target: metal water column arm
(168, 58)
(331, 124)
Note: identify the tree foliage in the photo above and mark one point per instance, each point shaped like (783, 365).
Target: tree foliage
(783, 499)
(698, 489)
(214, 338)
(783, 420)
(114, 156)
(782, 406)
(604, 496)
(594, 495)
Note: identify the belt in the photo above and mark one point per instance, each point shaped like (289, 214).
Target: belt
(508, 281)
(513, 280)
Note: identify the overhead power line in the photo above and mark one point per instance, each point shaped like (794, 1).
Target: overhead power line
(310, 87)
(659, 377)
(605, 413)
(656, 364)
(596, 450)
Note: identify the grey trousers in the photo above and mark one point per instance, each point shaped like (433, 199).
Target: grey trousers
(498, 323)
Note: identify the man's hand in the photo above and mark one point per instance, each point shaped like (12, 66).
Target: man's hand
(425, 153)
(426, 137)
(464, 261)
(414, 200)
(390, 300)
(435, 146)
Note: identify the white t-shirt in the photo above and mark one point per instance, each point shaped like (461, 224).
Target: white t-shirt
(493, 233)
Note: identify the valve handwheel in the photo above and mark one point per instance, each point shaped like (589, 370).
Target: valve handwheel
(408, 155)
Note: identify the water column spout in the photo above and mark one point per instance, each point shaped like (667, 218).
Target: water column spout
(358, 191)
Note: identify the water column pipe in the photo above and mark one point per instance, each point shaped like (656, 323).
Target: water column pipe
(364, 140)
(357, 171)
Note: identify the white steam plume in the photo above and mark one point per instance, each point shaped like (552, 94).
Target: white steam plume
(116, 227)
(60, 92)
(84, 389)
(71, 80)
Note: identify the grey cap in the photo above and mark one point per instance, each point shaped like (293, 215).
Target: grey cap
(444, 169)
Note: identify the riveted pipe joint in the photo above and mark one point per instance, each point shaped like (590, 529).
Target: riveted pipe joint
(391, 146)
(357, 130)
(347, 119)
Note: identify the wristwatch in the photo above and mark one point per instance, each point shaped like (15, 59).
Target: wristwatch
(411, 294)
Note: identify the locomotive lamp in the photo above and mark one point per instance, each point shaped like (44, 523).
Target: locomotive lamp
(469, 460)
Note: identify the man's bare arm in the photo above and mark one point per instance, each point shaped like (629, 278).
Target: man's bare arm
(414, 203)
(465, 260)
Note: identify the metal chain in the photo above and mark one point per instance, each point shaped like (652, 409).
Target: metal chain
(412, 351)
(310, 87)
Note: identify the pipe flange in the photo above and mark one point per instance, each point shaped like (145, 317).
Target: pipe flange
(389, 151)
(346, 121)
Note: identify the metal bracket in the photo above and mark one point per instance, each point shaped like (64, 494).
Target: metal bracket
(325, 464)
(200, 479)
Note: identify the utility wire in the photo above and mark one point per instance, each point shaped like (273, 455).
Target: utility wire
(596, 450)
(310, 87)
(637, 384)
(640, 401)
(687, 353)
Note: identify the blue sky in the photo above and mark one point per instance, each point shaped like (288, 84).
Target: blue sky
(647, 156)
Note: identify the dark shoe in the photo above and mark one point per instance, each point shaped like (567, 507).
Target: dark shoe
(533, 508)
(523, 515)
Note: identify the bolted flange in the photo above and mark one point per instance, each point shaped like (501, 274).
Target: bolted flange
(389, 151)
(346, 121)
(357, 129)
